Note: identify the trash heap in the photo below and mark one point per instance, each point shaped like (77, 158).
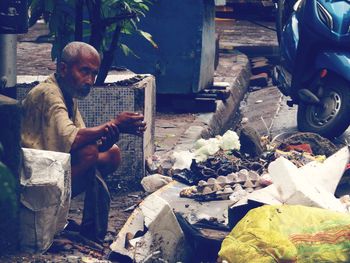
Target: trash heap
(296, 175)
(216, 169)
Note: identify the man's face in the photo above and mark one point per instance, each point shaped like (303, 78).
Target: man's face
(80, 76)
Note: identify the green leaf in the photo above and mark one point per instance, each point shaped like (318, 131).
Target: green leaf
(144, 7)
(86, 32)
(127, 7)
(128, 28)
(148, 36)
(127, 51)
(7, 191)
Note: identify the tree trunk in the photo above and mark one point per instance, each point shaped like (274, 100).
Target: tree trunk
(97, 28)
(78, 34)
(108, 56)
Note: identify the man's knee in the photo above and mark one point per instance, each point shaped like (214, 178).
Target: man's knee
(109, 161)
(115, 156)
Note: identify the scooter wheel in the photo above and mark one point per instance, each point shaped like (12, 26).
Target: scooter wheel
(331, 117)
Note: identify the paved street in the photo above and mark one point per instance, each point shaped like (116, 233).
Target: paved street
(268, 113)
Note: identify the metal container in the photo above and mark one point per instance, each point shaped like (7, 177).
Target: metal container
(184, 31)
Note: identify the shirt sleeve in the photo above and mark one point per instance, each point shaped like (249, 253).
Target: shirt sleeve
(60, 130)
(79, 120)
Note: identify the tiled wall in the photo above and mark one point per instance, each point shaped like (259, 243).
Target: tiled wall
(127, 93)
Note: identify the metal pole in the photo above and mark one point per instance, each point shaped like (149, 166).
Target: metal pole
(8, 58)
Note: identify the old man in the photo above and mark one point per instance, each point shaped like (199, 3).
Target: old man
(52, 122)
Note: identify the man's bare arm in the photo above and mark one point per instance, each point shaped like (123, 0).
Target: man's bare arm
(89, 135)
(125, 122)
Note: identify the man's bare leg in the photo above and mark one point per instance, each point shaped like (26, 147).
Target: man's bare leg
(83, 165)
(109, 161)
(86, 159)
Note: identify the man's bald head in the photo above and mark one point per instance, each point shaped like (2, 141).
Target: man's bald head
(78, 68)
(74, 51)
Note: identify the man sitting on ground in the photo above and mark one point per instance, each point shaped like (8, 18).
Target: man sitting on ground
(52, 122)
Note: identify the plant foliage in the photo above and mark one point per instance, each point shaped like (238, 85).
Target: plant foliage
(8, 206)
(98, 22)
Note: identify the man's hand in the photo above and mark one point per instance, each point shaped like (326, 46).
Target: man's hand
(110, 137)
(130, 122)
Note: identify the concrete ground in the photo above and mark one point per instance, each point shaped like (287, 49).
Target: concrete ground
(268, 113)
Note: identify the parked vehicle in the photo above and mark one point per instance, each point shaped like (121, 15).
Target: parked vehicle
(314, 38)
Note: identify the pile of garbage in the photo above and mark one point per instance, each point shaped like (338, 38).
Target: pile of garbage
(216, 169)
(262, 183)
(215, 157)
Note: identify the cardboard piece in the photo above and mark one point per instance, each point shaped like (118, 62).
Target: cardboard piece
(151, 232)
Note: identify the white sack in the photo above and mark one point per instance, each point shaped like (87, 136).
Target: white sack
(45, 197)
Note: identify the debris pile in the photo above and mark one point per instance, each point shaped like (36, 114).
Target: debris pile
(219, 171)
(231, 174)
(283, 172)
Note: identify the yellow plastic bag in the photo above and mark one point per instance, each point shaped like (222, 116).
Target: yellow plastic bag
(289, 234)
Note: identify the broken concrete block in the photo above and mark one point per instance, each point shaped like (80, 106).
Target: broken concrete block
(159, 235)
(260, 80)
(45, 197)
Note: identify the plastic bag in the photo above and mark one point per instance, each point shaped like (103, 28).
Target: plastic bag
(154, 182)
(289, 234)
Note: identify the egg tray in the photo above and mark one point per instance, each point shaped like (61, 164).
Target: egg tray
(224, 186)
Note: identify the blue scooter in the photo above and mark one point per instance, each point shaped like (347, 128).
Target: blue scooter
(314, 70)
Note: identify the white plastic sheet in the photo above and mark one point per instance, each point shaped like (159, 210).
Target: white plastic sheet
(311, 185)
(205, 148)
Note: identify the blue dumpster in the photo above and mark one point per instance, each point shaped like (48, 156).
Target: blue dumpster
(184, 31)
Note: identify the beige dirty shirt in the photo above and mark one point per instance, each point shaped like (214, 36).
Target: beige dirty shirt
(46, 124)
